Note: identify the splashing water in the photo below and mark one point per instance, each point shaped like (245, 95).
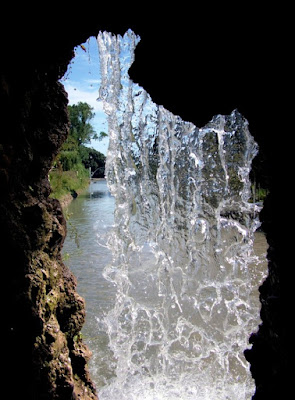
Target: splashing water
(182, 244)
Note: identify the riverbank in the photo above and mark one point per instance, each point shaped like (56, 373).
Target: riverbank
(66, 199)
(67, 185)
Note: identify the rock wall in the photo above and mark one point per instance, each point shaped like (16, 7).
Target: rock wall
(43, 356)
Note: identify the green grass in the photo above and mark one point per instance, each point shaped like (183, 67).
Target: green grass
(65, 182)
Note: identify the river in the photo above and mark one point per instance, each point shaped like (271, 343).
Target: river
(90, 219)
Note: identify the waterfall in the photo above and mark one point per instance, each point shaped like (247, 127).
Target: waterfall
(181, 244)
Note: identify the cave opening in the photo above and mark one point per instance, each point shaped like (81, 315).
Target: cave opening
(43, 313)
(94, 332)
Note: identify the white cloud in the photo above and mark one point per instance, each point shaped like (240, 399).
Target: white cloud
(82, 83)
(76, 94)
(93, 82)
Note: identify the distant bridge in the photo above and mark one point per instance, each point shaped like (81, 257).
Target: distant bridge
(91, 174)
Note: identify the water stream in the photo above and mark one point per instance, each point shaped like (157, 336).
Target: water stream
(180, 269)
(91, 219)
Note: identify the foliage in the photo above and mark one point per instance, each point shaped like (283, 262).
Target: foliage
(64, 182)
(80, 128)
(73, 151)
(94, 160)
(71, 166)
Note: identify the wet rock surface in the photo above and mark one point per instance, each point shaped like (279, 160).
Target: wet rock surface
(44, 357)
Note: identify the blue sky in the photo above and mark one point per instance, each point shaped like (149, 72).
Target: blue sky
(82, 81)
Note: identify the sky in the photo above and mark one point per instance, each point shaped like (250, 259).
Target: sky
(82, 81)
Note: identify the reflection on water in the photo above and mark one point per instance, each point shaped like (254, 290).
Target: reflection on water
(91, 219)
(86, 253)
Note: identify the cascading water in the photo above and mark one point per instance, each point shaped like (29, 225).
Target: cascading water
(181, 245)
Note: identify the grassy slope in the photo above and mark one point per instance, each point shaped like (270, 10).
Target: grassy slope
(64, 183)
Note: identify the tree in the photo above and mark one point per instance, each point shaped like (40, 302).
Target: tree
(80, 128)
(81, 132)
(69, 155)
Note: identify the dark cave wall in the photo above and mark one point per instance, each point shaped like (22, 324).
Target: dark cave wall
(43, 358)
